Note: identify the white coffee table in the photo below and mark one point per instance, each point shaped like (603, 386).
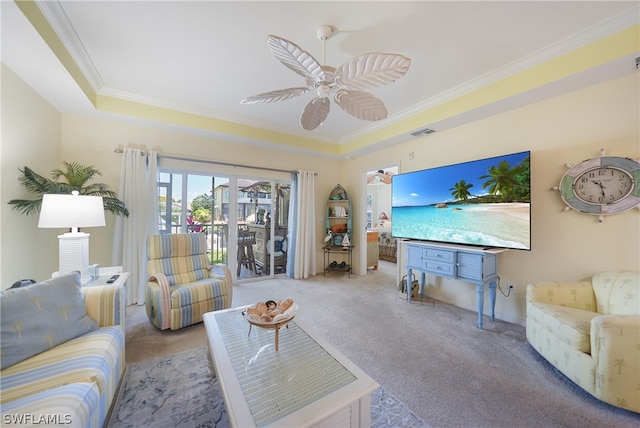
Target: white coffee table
(306, 382)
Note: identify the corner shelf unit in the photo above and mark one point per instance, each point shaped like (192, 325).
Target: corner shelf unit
(339, 216)
(339, 225)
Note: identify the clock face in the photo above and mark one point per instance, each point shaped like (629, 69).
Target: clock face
(603, 185)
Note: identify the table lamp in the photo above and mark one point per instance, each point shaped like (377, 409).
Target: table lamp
(72, 211)
(383, 217)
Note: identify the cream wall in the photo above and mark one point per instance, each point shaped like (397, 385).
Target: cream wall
(30, 137)
(565, 129)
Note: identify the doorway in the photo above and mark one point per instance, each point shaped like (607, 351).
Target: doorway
(245, 219)
(376, 215)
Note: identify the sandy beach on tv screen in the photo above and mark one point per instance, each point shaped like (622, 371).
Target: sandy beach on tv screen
(515, 209)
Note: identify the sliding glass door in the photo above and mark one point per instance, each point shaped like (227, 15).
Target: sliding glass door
(244, 219)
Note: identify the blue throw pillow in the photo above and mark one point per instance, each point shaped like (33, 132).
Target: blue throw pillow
(40, 316)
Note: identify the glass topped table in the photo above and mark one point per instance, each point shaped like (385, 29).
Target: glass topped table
(304, 383)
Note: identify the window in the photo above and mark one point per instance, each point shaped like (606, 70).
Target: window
(200, 203)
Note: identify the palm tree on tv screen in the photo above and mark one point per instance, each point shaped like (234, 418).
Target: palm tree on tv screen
(506, 182)
(460, 190)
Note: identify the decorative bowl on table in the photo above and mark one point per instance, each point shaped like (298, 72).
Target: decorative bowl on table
(271, 313)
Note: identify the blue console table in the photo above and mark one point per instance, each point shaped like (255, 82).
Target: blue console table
(476, 265)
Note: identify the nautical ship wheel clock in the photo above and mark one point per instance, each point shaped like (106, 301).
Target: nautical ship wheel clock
(601, 186)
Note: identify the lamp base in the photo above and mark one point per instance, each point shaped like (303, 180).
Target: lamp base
(74, 255)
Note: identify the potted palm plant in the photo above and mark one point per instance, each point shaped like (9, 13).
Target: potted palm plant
(74, 176)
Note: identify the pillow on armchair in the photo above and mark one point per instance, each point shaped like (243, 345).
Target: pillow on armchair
(39, 316)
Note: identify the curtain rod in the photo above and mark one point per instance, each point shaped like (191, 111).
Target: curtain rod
(119, 150)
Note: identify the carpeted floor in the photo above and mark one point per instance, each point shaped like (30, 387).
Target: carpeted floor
(430, 355)
(179, 391)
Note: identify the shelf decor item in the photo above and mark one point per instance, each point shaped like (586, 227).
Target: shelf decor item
(339, 216)
(345, 241)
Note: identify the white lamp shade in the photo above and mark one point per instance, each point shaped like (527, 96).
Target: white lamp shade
(71, 211)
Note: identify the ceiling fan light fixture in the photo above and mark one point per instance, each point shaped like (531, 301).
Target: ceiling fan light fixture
(348, 81)
(324, 91)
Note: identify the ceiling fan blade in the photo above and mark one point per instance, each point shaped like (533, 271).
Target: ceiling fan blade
(315, 113)
(386, 179)
(293, 57)
(371, 70)
(273, 96)
(378, 178)
(361, 105)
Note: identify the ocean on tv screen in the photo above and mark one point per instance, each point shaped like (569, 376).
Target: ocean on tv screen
(486, 202)
(492, 225)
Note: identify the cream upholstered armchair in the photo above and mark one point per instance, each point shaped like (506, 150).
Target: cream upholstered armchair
(590, 331)
(182, 284)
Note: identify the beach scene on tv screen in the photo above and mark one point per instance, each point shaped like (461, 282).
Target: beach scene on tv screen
(485, 202)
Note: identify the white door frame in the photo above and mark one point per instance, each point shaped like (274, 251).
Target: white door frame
(362, 215)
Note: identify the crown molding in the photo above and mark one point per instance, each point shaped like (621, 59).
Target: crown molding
(59, 21)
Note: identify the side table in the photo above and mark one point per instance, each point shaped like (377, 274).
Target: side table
(107, 272)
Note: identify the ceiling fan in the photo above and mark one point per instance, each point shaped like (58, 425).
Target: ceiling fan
(347, 82)
(380, 176)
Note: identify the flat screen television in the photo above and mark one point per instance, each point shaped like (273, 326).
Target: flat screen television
(485, 202)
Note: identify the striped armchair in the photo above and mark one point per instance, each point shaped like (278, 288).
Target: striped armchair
(182, 285)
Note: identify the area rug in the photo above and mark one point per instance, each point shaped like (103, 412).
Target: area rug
(179, 391)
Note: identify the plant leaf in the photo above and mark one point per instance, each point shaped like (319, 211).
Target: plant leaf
(76, 176)
(33, 182)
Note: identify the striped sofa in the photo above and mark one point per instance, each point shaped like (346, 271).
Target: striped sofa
(74, 383)
(182, 284)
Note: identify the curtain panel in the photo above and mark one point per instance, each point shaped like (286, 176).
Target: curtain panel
(302, 245)
(138, 190)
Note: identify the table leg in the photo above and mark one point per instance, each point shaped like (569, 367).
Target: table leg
(277, 336)
(492, 298)
(480, 297)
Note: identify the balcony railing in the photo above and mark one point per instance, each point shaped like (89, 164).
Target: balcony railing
(217, 238)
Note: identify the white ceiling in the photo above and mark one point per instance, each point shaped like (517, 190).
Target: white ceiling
(203, 57)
